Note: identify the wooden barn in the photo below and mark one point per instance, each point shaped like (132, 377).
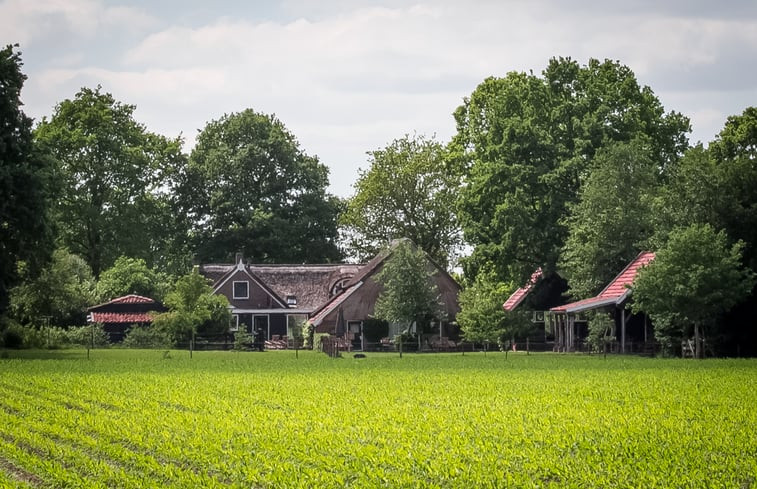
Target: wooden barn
(122, 313)
(569, 325)
(538, 296)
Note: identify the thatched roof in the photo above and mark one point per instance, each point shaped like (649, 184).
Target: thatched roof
(310, 285)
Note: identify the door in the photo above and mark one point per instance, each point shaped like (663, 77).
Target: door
(355, 331)
(260, 325)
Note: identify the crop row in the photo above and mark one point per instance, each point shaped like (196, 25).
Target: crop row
(231, 420)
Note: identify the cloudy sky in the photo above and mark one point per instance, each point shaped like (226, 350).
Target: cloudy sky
(347, 77)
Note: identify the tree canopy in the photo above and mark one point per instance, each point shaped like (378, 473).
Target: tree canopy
(130, 276)
(482, 318)
(693, 279)
(409, 293)
(252, 189)
(611, 221)
(26, 184)
(60, 293)
(529, 142)
(111, 171)
(406, 193)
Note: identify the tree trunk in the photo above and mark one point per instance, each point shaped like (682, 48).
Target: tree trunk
(697, 346)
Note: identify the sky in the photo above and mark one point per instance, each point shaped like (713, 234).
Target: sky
(349, 77)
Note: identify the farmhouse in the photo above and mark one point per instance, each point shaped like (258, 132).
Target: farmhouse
(339, 299)
(122, 313)
(273, 299)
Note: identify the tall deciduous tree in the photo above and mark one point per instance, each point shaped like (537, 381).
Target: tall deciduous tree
(409, 293)
(114, 173)
(25, 183)
(735, 153)
(529, 141)
(251, 188)
(693, 279)
(406, 193)
(611, 222)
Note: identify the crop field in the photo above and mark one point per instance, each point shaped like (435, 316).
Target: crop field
(132, 419)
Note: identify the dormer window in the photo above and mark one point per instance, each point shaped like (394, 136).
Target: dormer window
(292, 300)
(241, 290)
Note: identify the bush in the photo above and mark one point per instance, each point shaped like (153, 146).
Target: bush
(243, 340)
(12, 337)
(86, 336)
(53, 337)
(146, 337)
(600, 331)
(318, 340)
(409, 341)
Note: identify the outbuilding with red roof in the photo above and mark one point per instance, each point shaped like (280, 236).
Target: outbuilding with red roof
(122, 313)
(566, 319)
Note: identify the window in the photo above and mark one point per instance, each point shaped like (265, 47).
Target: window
(292, 300)
(234, 325)
(241, 290)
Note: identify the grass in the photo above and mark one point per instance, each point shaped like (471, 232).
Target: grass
(224, 419)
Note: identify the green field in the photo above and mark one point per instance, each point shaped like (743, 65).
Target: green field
(224, 419)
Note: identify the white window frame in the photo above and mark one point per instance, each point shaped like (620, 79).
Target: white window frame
(234, 289)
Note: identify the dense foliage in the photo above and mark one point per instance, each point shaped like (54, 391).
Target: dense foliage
(409, 293)
(406, 193)
(482, 318)
(130, 276)
(59, 295)
(529, 143)
(693, 280)
(193, 309)
(610, 223)
(252, 189)
(26, 184)
(572, 171)
(113, 173)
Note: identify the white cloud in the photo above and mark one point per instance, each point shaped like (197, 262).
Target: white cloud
(29, 22)
(348, 78)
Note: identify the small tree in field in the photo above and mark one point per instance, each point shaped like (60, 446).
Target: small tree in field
(600, 330)
(409, 293)
(481, 316)
(693, 279)
(193, 308)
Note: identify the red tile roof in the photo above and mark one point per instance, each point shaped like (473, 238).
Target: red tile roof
(127, 299)
(132, 299)
(615, 291)
(517, 297)
(120, 317)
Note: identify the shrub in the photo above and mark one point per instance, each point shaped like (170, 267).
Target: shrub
(85, 336)
(146, 337)
(12, 337)
(243, 340)
(318, 340)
